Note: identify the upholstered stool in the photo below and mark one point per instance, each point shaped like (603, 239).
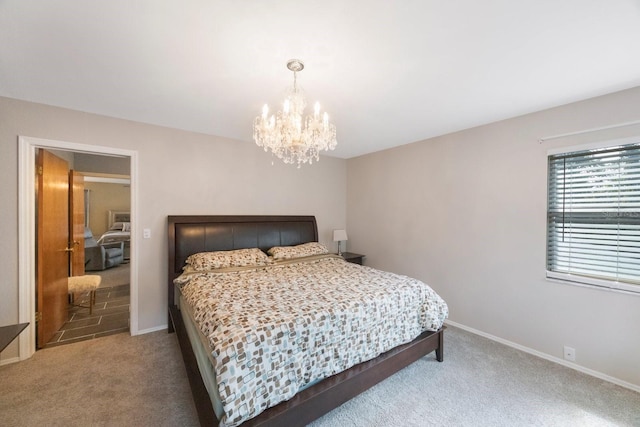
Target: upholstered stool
(85, 283)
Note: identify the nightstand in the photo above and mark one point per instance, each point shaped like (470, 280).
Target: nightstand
(351, 257)
(9, 333)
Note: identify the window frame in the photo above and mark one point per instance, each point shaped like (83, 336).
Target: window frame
(575, 279)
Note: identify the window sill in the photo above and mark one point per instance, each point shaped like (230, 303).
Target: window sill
(602, 285)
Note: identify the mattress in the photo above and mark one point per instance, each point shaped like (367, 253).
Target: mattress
(112, 236)
(272, 330)
(203, 356)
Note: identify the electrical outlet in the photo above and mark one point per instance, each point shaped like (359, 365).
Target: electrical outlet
(569, 353)
(146, 233)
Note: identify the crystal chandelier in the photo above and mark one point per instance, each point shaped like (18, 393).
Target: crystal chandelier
(289, 135)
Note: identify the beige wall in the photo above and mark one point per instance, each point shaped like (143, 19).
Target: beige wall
(179, 173)
(90, 163)
(466, 213)
(105, 197)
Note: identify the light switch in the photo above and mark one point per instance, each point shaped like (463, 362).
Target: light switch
(146, 233)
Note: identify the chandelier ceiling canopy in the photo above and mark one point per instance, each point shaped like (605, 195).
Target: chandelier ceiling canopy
(288, 134)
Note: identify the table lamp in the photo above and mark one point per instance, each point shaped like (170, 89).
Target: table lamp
(339, 236)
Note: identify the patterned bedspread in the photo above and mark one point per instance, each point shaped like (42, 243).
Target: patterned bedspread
(275, 329)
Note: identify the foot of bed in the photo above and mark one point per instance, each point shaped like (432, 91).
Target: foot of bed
(170, 326)
(440, 349)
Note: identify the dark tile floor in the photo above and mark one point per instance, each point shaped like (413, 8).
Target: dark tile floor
(110, 316)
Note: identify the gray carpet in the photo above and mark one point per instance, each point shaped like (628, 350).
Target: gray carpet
(484, 383)
(117, 380)
(114, 276)
(140, 381)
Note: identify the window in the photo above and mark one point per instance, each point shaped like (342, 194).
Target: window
(593, 218)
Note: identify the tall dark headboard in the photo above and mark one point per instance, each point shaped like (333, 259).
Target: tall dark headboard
(191, 234)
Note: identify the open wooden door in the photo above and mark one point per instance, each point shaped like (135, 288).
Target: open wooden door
(76, 222)
(52, 267)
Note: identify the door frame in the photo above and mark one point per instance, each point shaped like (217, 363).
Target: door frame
(27, 230)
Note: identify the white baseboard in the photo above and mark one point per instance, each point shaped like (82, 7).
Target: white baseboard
(9, 361)
(148, 331)
(548, 357)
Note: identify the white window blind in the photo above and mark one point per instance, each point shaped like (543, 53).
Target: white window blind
(593, 219)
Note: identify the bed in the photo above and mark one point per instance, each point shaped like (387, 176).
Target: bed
(115, 235)
(119, 231)
(190, 235)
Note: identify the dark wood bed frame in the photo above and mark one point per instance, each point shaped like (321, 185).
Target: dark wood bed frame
(192, 234)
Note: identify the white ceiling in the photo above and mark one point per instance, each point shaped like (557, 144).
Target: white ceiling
(388, 72)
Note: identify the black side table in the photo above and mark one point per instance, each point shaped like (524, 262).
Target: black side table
(10, 333)
(352, 257)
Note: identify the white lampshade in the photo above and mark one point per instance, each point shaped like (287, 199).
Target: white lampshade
(339, 235)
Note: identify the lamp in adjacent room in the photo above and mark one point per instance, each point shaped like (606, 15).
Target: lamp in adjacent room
(289, 134)
(339, 236)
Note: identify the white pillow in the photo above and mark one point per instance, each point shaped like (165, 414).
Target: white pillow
(205, 261)
(117, 226)
(305, 249)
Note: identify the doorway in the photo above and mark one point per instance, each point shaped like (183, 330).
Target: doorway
(27, 228)
(101, 227)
